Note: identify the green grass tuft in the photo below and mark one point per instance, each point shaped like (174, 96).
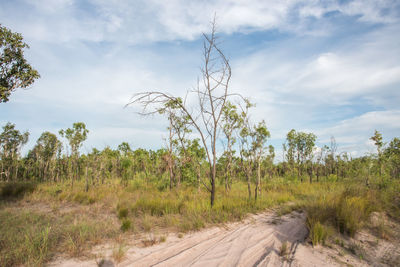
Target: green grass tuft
(126, 225)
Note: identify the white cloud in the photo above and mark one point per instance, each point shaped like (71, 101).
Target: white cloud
(349, 130)
(144, 21)
(368, 67)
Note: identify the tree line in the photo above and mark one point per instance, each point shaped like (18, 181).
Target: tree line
(184, 160)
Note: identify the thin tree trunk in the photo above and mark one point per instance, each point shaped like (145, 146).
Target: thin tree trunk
(198, 177)
(87, 179)
(248, 176)
(213, 174)
(257, 189)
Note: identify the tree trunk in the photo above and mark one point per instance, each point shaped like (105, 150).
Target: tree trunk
(16, 172)
(258, 189)
(213, 174)
(248, 176)
(171, 172)
(87, 179)
(198, 177)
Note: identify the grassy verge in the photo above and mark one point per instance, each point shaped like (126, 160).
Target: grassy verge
(31, 238)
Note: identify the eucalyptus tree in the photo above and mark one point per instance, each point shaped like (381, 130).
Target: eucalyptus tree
(300, 148)
(212, 93)
(392, 153)
(75, 136)
(378, 142)
(124, 148)
(290, 147)
(46, 150)
(125, 162)
(252, 147)
(11, 142)
(261, 134)
(197, 157)
(230, 124)
(16, 72)
(330, 157)
(320, 155)
(245, 145)
(268, 161)
(178, 143)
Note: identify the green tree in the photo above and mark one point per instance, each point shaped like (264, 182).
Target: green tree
(16, 72)
(252, 147)
(392, 153)
(45, 152)
(75, 136)
(300, 148)
(378, 141)
(230, 124)
(261, 134)
(11, 142)
(124, 148)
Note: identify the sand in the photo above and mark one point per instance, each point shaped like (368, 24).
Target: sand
(257, 241)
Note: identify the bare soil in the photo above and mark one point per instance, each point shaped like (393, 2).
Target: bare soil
(257, 241)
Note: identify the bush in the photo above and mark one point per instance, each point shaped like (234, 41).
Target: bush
(123, 213)
(126, 225)
(83, 198)
(16, 189)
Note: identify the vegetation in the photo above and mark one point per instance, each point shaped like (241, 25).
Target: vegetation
(56, 200)
(16, 72)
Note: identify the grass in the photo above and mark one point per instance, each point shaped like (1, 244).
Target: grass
(318, 233)
(126, 225)
(284, 250)
(32, 238)
(118, 253)
(75, 220)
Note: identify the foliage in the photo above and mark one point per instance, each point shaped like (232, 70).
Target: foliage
(15, 190)
(75, 136)
(16, 71)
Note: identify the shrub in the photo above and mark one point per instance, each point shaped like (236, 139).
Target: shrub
(16, 189)
(318, 233)
(123, 213)
(126, 225)
(351, 213)
(83, 198)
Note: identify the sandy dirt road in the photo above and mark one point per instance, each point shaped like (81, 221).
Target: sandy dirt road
(257, 241)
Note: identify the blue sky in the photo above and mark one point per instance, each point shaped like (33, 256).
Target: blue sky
(329, 67)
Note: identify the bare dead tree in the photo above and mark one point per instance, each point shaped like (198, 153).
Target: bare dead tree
(211, 93)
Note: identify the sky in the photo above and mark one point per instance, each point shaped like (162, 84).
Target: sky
(327, 67)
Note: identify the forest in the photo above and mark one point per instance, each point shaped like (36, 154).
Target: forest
(216, 167)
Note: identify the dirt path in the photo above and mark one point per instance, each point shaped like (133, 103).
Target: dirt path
(255, 242)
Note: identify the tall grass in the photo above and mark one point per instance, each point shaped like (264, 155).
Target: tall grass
(31, 238)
